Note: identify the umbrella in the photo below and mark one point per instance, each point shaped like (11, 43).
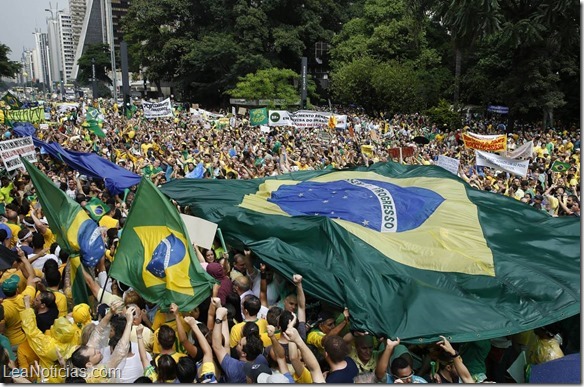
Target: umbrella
(564, 370)
(7, 257)
(421, 140)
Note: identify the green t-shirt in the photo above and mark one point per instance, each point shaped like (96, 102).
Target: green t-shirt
(474, 355)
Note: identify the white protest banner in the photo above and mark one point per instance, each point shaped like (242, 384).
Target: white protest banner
(448, 163)
(516, 167)
(63, 107)
(265, 129)
(279, 118)
(12, 150)
(201, 231)
(157, 109)
(43, 126)
(524, 151)
(305, 119)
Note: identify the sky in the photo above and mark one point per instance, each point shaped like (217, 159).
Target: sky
(18, 20)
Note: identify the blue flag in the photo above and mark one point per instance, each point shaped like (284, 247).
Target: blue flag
(23, 129)
(116, 178)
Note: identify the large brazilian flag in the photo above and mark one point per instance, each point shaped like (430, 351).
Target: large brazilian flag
(155, 255)
(413, 251)
(75, 232)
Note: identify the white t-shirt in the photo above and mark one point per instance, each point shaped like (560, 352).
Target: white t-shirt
(40, 262)
(129, 368)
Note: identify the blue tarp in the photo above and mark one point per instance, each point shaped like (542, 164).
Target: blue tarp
(564, 370)
(23, 129)
(90, 164)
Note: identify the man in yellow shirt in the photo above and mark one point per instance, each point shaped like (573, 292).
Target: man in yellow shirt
(251, 307)
(12, 222)
(13, 304)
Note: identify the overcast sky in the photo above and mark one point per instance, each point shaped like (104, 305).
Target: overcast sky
(19, 20)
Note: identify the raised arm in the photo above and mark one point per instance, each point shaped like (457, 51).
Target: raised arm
(121, 349)
(263, 286)
(309, 358)
(205, 347)
(182, 335)
(220, 339)
(99, 332)
(278, 350)
(383, 362)
(339, 328)
(141, 346)
(463, 372)
(301, 298)
(199, 255)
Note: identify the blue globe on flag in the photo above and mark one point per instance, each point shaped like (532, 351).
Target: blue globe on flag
(170, 251)
(91, 243)
(377, 205)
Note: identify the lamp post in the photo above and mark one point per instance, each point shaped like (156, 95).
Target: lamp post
(57, 50)
(93, 84)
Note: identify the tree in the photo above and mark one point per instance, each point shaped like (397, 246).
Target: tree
(468, 21)
(100, 53)
(270, 84)
(7, 67)
(382, 61)
(204, 46)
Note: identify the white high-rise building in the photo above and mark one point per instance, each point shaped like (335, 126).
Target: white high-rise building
(67, 48)
(40, 59)
(55, 65)
(77, 9)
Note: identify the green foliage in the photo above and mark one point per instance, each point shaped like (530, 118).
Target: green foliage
(443, 116)
(100, 53)
(205, 46)
(268, 84)
(7, 67)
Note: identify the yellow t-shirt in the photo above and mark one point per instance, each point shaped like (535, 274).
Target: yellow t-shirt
(315, 337)
(236, 331)
(15, 230)
(61, 302)
(49, 238)
(12, 308)
(108, 222)
(305, 378)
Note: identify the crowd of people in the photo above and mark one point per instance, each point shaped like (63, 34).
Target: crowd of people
(257, 326)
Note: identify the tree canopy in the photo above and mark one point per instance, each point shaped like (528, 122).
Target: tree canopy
(384, 55)
(7, 67)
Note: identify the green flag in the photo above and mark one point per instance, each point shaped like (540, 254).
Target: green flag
(559, 166)
(155, 255)
(130, 110)
(412, 251)
(94, 127)
(75, 232)
(93, 118)
(258, 116)
(96, 208)
(11, 100)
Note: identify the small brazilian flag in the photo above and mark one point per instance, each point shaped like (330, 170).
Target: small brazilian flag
(395, 243)
(93, 118)
(96, 208)
(130, 110)
(11, 100)
(155, 255)
(559, 166)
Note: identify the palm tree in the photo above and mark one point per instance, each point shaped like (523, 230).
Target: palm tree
(467, 21)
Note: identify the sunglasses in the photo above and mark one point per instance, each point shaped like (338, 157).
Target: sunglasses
(404, 377)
